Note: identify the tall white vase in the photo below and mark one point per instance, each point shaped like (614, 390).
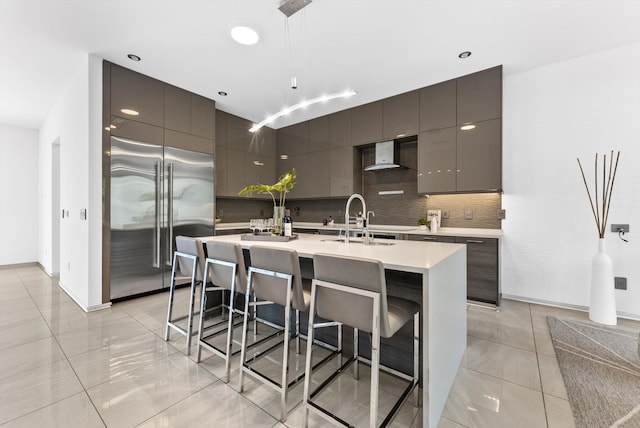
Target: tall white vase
(602, 306)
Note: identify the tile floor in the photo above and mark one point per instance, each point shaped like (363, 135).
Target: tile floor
(62, 367)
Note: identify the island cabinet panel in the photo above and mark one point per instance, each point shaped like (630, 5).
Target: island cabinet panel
(203, 117)
(400, 115)
(479, 157)
(437, 161)
(479, 96)
(135, 91)
(340, 129)
(177, 109)
(438, 106)
(366, 123)
(319, 134)
(482, 269)
(345, 172)
(293, 140)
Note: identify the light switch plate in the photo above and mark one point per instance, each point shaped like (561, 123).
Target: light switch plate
(468, 214)
(502, 214)
(445, 213)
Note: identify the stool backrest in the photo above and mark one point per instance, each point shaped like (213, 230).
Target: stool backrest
(220, 275)
(271, 288)
(192, 246)
(348, 308)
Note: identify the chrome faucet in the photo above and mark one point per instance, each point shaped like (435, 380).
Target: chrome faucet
(347, 218)
(366, 240)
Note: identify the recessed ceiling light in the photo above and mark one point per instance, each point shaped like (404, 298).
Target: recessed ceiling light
(222, 93)
(129, 112)
(244, 35)
(133, 57)
(465, 54)
(467, 127)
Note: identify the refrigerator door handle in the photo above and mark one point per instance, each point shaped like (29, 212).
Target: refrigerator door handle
(156, 261)
(170, 212)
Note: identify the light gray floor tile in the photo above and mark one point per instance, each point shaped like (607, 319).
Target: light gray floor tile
(22, 358)
(73, 412)
(21, 331)
(559, 413)
(551, 376)
(519, 335)
(25, 392)
(544, 344)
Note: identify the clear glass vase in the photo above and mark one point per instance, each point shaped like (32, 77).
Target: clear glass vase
(278, 214)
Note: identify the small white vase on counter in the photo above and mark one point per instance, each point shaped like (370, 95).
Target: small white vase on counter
(602, 304)
(433, 224)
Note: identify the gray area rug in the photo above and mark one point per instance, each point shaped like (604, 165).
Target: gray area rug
(601, 370)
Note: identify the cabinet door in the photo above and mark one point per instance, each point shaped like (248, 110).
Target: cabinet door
(319, 134)
(220, 162)
(431, 238)
(135, 91)
(235, 172)
(221, 128)
(479, 157)
(482, 269)
(479, 96)
(400, 115)
(137, 131)
(340, 129)
(344, 172)
(438, 106)
(203, 116)
(177, 109)
(437, 161)
(297, 162)
(319, 164)
(184, 141)
(293, 140)
(237, 133)
(366, 123)
(263, 142)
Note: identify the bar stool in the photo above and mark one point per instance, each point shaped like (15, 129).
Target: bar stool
(224, 268)
(274, 277)
(340, 285)
(186, 268)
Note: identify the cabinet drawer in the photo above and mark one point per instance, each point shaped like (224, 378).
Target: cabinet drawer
(431, 238)
(482, 269)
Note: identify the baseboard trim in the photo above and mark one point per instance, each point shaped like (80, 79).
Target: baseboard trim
(77, 301)
(634, 317)
(19, 265)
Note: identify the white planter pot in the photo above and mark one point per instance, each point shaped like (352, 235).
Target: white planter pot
(423, 227)
(602, 304)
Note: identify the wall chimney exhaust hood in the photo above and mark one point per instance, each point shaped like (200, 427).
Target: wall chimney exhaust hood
(385, 156)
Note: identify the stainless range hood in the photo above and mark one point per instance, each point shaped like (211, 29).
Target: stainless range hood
(385, 156)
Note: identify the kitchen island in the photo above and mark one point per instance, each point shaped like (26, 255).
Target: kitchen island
(442, 267)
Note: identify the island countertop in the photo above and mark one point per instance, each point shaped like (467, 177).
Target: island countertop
(408, 256)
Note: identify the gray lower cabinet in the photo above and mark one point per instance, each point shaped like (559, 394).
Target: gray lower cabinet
(482, 269)
(483, 283)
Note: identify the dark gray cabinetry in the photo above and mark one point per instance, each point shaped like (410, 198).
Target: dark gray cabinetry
(438, 106)
(340, 129)
(203, 117)
(137, 92)
(479, 157)
(177, 109)
(437, 161)
(482, 269)
(479, 96)
(319, 134)
(400, 115)
(366, 123)
(431, 238)
(293, 140)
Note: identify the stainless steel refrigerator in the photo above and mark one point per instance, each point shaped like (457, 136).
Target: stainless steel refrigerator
(157, 193)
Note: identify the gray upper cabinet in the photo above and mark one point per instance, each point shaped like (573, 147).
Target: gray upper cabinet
(437, 161)
(220, 165)
(479, 157)
(293, 140)
(235, 172)
(263, 142)
(366, 123)
(221, 128)
(340, 129)
(438, 106)
(203, 117)
(319, 134)
(177, 109)
(479, 96)
(184, 141)
(345, 172)
(400, 115)
(135, 91)
(237, 133)
(319, 166)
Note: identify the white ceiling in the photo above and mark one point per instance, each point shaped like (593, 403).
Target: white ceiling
(377, 47)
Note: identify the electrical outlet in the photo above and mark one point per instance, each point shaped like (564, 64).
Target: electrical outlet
(620, 228)
(502, 214)
(445, 213)
(468, 214)
(620, 283)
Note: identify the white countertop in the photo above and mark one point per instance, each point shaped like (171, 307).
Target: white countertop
(412, 230)
(407, 256)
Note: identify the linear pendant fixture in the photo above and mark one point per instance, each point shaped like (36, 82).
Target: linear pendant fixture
(302, 104)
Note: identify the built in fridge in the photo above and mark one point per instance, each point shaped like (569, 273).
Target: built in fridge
(157, 193)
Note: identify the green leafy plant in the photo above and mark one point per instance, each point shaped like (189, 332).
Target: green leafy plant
(283, 186)
(424, 221)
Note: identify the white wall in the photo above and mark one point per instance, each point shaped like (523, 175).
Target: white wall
(18, 195)
(72, 123)
(552, 115)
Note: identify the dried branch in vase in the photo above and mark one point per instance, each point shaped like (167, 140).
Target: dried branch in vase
(600, 207)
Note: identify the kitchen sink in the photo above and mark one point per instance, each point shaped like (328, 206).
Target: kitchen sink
(353, 241)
